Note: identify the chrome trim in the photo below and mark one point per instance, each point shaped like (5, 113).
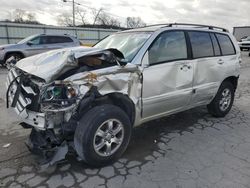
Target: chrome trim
(29, 90)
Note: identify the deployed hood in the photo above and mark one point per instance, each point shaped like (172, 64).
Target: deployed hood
(51, 65)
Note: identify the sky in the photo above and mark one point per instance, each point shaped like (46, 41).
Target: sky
(224, 13)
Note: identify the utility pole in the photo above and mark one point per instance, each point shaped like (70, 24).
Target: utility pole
(74, 23)
(73, 8)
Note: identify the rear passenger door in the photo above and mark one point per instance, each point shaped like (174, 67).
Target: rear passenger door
(209, 66)
(229, 58)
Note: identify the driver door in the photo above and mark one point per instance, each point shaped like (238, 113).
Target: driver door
(36, 46)
(168, 80)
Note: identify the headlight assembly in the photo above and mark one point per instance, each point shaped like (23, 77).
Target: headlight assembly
(61, 93)
(53, 92)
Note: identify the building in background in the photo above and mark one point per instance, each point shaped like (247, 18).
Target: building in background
(240, 32)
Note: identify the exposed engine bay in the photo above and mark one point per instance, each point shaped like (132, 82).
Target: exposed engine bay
(50, 92)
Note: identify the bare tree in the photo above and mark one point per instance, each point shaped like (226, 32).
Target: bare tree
(19, 15)
(134, 22)
(31, 17)
(64, 19)
(81, 15)
(22, 16)
(104, 19)
(96, 14)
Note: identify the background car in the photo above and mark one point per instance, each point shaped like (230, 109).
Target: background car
(36, 44)
(245, 38)
(244, 43)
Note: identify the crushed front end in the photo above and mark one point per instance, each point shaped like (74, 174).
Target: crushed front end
(52, 102)
(46, 110)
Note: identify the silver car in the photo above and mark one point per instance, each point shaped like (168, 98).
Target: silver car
(91, 98)
(36, 44)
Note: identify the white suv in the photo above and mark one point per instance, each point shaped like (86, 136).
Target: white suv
(91, 98)
(36, 44)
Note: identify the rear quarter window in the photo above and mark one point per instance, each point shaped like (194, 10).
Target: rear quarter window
(217, 51)
(227, 47)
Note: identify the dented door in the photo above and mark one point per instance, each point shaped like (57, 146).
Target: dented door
(167, 88)
(167, 82)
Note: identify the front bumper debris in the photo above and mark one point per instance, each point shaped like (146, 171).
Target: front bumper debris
(52, 146)
(46, 145)
(16, 98)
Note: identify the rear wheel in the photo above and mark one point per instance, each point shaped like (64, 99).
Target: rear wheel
(223, 101)
(102, 135)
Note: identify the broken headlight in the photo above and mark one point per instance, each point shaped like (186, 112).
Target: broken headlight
(60, 92)
(53, 92)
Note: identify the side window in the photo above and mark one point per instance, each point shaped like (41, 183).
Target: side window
(66, 39)
(226, 44)
(35, 41)
(44, 40)
(201, 44)
(57, 39)
(215, 45)
(169, 46)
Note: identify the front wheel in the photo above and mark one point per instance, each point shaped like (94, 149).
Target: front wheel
(102, 135)
(223, 101)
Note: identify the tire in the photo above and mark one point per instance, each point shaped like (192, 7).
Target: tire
(17, 56)
(86, 137)
(220, 106)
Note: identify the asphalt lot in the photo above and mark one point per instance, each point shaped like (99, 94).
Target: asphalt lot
(187, 150)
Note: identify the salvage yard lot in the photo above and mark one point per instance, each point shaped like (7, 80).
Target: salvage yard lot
(190, 149)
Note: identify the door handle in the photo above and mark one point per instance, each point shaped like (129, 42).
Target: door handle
(185, 66)
(220, 62)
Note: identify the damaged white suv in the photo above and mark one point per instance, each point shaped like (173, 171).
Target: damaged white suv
(89, 99)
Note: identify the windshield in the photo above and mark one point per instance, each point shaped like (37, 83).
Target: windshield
(128, 43)
(26, 39)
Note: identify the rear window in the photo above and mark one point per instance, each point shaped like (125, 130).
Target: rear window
(201, 44)
(226, 44)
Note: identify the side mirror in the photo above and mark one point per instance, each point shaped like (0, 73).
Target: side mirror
(123, 62)
(29, 43)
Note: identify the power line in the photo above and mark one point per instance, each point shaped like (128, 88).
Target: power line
(111, 14)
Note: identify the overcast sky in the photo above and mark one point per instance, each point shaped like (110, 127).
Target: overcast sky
(226, 13)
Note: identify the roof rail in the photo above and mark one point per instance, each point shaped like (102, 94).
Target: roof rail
(198, 25)
(187, 24)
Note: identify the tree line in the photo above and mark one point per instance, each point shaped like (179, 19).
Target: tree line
(98, 18)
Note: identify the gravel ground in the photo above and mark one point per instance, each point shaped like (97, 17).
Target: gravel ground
(189, 149)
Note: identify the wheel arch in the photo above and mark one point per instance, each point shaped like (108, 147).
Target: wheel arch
(120, 100)
(233, 80)
(13, 52)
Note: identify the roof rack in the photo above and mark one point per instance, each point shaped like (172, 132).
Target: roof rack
(186, 24)
(198, 25)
